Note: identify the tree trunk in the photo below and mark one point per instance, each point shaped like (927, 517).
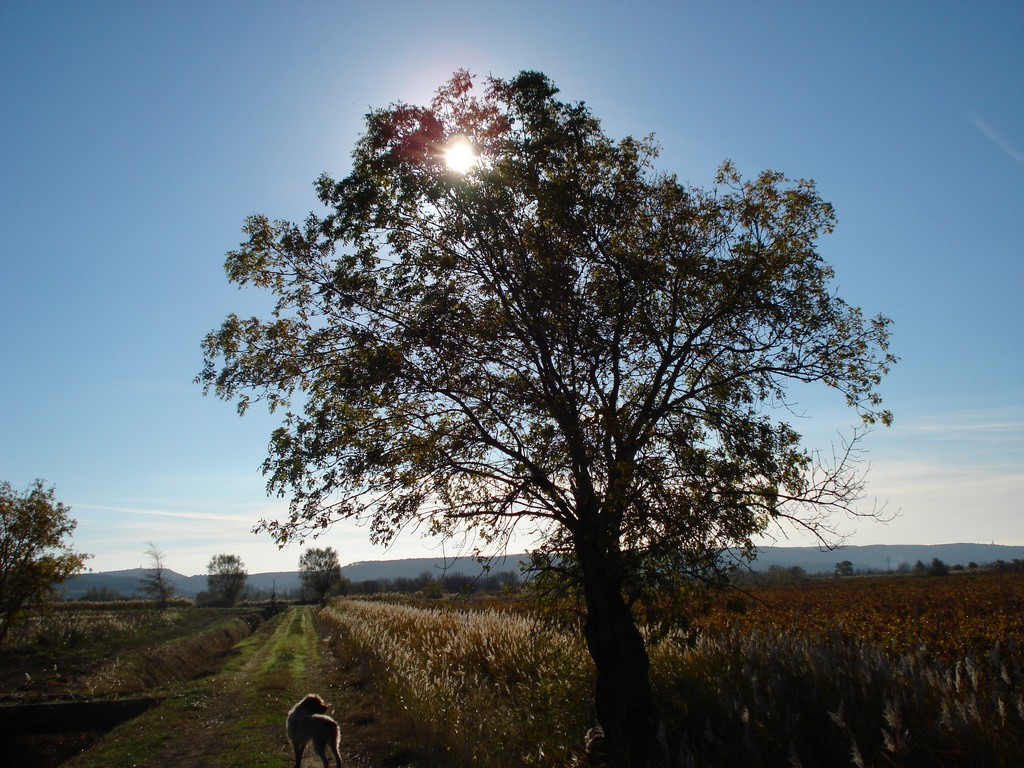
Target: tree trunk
(624, 702)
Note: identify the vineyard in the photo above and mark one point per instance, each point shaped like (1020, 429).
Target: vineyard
(947, 618)
(866, 672)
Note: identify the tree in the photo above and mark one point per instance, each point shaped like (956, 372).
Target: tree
(34, 553)
(101, 595)
(779, 574)
(844, 568)
(556, 336)
(157, 584)
(320, 571)
(225, 578)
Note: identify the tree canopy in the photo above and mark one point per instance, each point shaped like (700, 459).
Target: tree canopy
(35, 555)
(320, 571)
(558, 336)
(226, 577)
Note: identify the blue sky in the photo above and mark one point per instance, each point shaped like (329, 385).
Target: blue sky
(135, 138)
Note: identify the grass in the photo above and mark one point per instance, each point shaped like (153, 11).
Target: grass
(148, 668)
(99, 626)
(775, 699)
(215, 721)
(889, 672)
(825, 676)
(78, 652)
(476, 687)
(292, 653)
(236, 716)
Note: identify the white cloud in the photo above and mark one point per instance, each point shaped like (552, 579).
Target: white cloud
(1004, 145)
(1004, 421)
(180, 514)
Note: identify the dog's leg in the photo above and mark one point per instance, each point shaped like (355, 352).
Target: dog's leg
(334, 743)
(299, 748)
(330, 738)
(320, 745)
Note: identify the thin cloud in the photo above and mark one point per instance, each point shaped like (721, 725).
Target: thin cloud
(165, 513)
(1002, 143)
(1006, 425)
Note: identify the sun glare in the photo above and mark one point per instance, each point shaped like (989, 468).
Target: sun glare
(459, 156)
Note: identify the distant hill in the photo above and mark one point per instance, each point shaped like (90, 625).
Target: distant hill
(124, 582)
(879, 557)
(883, 557)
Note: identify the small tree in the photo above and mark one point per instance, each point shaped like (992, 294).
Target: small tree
(320, 571)
(157, 584)
(34, 556)
(844, 568)
(225, 578)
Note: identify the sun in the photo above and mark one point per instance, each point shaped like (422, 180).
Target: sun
(460, 156)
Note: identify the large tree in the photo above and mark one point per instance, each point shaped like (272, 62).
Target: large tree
(551, 333)
(320, 571)
(36, 554)
(226, 577)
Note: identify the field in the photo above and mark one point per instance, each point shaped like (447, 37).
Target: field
(881, 671)
(216, 684)
(875, 671)
(870, 672)
(74, 662)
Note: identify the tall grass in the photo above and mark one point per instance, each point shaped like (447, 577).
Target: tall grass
(500, 689)
(791, 699)
(68, 629)
(488, 688)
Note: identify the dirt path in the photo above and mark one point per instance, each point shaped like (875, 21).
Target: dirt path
(236, 717)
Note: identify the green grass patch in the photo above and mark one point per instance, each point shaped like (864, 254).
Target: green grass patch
(233, 718)
(134, 742)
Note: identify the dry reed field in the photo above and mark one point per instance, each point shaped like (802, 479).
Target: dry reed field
(866, 672)
(482, 687)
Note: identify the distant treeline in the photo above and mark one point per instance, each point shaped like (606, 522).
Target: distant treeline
(451, 583)
(778, 574)
(491, 583)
